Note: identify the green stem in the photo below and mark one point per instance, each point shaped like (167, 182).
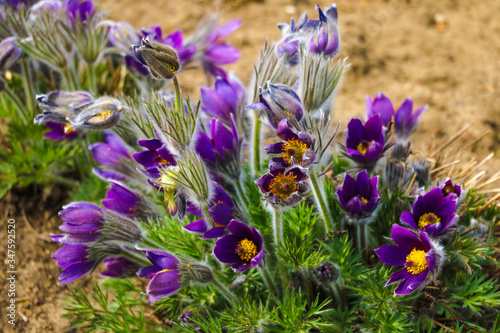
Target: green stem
(241, 192)
(137, 257)
(337, 293)
(67, 78)
(329, 225)
(152, 243)
(278, 240)
(91, 77)
(267, 278)
(256, 144)
(207, 216)
(28, 88)
(17, 102)
(226, 293)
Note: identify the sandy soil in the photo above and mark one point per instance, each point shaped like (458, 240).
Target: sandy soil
(441, 53)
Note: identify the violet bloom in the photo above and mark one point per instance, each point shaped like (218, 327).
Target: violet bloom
(111, 152)
(74, 261)
(44, 5)
(242, 248)
(358, 197)
(120, 267)
(225, 100)
(9, 53)
(432, 213)
(382, 106)
(406, 120)
(279, 102)
(222, 151)
(156, 157)
(326, 37)
(295, 145)
(365, 143)
(164, 275)
(216, 52)
(282, 186)
(221, 213)
(450, 191)
(82, 221)
(288, 49)
(78, 12)
(421, 258)
(60, 131)
(122, 200)
(16, 4)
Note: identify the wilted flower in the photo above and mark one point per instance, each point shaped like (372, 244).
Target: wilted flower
(120, 267)
(60, 131)
(296, 145)
(281, 186)
(222, 151)
(279, 102)
(242, 248)
(9, 53)
(359, 197)
(288, 49)
(365, 143)
(432, 213)
(164, 275)
(220, 211)
(77, 11)
(450, 191)
(162, 60)
(421, 257)
(225, 101)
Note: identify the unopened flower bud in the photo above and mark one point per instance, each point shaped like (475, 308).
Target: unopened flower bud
(162, 60)
(422, 169)
(326, 272)
(197, 272)
(237, 282)
(401, 151)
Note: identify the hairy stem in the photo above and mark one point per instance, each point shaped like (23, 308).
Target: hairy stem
(207, 216)
(91, 78)
(323, 209)
(264, 272)
(136, 257)
(225, 292)
(28, 88)
(256, 144)
(278, 239)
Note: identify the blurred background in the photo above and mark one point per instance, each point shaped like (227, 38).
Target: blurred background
(441, 53)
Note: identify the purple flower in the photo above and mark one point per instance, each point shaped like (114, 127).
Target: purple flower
(421, 257)
(157, 156)
(16, 4)
(242, 248)
(122, 35)
(406, 119)
(60, 131)
(118, 267)
(9, 53)
(288, 49)
(74, 261)
(82, 221)
(279, 102)
(79, 12)
(450, 191)
(382, 106)
(222, 151)
(296, 145)
(365, 143)
(164, 275)
(111, 152)
(40, 6)
(281, 186)
(326, 38)
(220, 210)
(432, 213)
(225, 100)
(122, 200)
(358, 197)
(216, 52)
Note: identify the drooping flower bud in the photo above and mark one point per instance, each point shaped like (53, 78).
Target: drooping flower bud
(9, 53)
(196, 272)
(162, 60)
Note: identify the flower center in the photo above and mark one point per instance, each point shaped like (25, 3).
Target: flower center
(363, 147)
(365, 201)
(166, 270)
(68, 128)
(161, 160)
(246, 249)
(428, 218)
(295, 148)
(283, 185)
(449, 189)
(416, 262)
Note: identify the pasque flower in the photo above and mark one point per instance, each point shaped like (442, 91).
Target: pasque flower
(111, 152)
(242, 248)
(161, 59)
(450, 191)
(359, 197)
(422, 259)
(283, 186)
(432, 213)
(164, 275)
(380, 105)
(365, 143)
(77, 11)
(325, 39)
(74, 260)
(295, 145)
(279, 102)
(60, 131)
(82, 221)
(288, 49)
(175, 40)
(120, 267)
(121, 199)
(221, 213)
(9, 53)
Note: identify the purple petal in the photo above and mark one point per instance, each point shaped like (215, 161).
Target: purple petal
(164, 283)
(147, 272)
(221, 54)
(199, 227)
(398, 276)
(264, 182)
(215, 105)
(383, 107)
(284, 132)
(150, 144)
(411, 283)
(240, 230)
(392, 255)
(405, 238)
(275, 148)
(225, 249)
(163, 259)
(407, 218)
(214, 233)
(374, 129)
(221, 214)
(116, 143)
(287, 99)
(355, 133)
(75, 271)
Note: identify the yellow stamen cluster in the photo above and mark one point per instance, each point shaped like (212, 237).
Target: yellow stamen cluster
(68, 128)
(295, 148)
(426, 219)
(246, 249)
(161, 160)
(416, 262)
(365, 201)
(283, 186)
(101, 116)
(363, 147)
